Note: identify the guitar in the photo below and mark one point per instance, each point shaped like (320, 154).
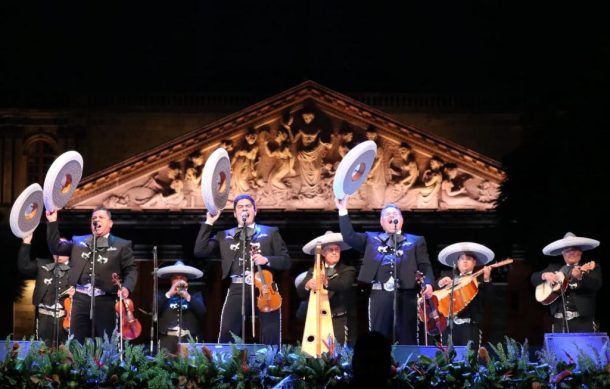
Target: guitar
(548, 292)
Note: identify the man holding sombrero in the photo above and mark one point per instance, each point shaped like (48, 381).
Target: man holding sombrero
(338, 280)
(180, 313)
(390, 260)
(575, 310)
(465, 256)
(272, 254)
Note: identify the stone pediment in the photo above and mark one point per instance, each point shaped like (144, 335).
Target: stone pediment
(284, 152)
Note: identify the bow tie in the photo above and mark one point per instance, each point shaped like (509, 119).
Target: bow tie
(102, 242)
(249, 231)
(60, 266)
(330, 271)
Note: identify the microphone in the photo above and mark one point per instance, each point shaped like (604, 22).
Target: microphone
(244, 217)
(95, 224)
(395, 222)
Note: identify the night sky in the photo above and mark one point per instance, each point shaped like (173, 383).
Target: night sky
(458, 48)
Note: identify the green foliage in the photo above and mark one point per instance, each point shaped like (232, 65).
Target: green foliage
(99, 364)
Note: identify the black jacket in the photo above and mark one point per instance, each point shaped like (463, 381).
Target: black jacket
(228, 244)
(374, 245)
(340, 289)
(192, 313)
(44, 272)
(583, 293)
(114, 256)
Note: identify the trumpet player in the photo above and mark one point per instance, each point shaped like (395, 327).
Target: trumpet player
(180, 312)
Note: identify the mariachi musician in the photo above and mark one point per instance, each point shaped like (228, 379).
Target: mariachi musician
(112, 255)
(338, 280)
(463, 257)
(50, 291)
(272, 254)
(180, 312)
(583, 279)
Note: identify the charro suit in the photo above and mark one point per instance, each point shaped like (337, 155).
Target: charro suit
(340, 295)
(580, 297)
(410, 256)
(170, 319)
(51, 281)
(229, 245)
(114, 255)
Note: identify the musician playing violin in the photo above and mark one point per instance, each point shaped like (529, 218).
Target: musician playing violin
(467, 322)
(583, 279)
(237, 262)
(181, 310)
(50, 289)
(112, 255)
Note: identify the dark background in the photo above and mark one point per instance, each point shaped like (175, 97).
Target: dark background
(550, 61)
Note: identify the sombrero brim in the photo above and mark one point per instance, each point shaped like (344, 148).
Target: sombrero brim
(299, 279)
(450, 254)
(189, 271)
(335, 237)
(216, 181)
(26, 211)
(555, 248)
(354, 169)
(61, 180)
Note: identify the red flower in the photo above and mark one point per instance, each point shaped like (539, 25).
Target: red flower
(561, 376)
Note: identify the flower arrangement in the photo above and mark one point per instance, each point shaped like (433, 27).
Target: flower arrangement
(99, 364)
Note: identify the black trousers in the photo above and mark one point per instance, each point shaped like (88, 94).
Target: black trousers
(381, 314)
(578, 324)
(342, 335)
(231, 318)
(105, 316)
(47, 328)
(462, 334)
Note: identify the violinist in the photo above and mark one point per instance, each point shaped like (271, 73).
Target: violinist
(338, 280)
(239, 263)
(50, 292)
(466, 323)
(91, 272)
(180, 312)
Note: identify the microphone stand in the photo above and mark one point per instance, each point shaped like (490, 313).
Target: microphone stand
(563, 304)
(92, 307)
(395, 276)
(55, 306)
(453, 273)
(154, 335)
(242, 238)
(180, 317)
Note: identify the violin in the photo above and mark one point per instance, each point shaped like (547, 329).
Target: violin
(131, 327)
(427, 310)
(68, 317)
(269, 298)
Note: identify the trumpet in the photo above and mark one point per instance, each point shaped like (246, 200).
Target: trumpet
(182, 286)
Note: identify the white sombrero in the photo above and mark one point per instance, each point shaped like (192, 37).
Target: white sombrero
(180, 268)
(450, 254)
(26, 211)
(216, 181)
(569, 240)
(328, 237)
(354, 168)
(62, 179)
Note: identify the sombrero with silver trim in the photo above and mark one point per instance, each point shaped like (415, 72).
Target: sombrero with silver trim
(450, 254)
(62, 179)
(354, 168)
(216, 181)
(328, 237)
(179, 268)
(26, 211)
(569, 240)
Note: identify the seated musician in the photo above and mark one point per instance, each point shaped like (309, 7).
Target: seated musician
(466, 323)
(178, 309)
(339, 280)
(584, 279)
